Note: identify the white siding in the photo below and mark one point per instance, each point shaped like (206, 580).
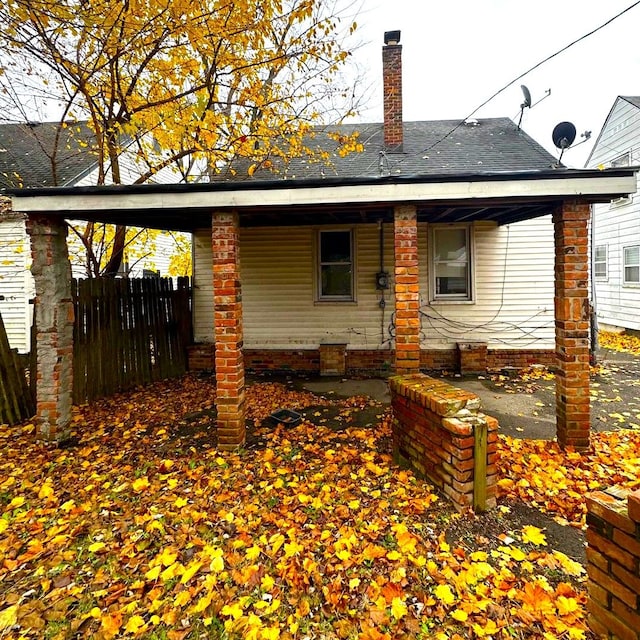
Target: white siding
(278, 279)
(618, 224)
(16, 283)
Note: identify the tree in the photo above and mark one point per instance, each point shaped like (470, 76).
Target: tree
(190, 85)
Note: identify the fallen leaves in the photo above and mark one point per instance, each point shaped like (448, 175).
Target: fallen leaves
(620, 342)
(541, 474)
(142, 531)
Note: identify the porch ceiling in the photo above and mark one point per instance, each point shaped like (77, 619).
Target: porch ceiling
(502, 198)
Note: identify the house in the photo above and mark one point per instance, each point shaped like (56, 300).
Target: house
(616, 224)
(440, 243)
(42, 155)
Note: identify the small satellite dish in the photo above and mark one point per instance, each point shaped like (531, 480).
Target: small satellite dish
(563, 135)
(527, 97)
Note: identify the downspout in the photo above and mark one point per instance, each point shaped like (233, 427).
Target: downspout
(382, 302)
(593, 307)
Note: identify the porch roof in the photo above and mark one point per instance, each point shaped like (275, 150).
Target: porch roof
(502, 197)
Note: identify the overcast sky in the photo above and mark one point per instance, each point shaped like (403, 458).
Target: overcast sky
(457, 53)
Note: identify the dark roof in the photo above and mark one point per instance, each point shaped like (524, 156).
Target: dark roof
(45, 154)
(441, 147)
(634, 100)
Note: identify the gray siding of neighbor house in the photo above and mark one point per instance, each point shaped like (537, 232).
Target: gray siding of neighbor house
(617, 224)
(512, 307)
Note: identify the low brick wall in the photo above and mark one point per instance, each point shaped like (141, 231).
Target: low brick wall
(613, 563)
(438, 431)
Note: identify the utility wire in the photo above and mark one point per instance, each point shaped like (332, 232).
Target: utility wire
(535, 66)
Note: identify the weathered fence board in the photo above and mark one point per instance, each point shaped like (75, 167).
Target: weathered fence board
(16, 401)
(128, 332)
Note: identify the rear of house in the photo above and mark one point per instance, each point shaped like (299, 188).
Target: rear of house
(310, 287)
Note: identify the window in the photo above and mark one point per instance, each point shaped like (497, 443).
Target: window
(632, 265)
(451, 263)
(622, 161)
(600, 262)
(335, 265)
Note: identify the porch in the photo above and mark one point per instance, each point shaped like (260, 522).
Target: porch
(400, 203)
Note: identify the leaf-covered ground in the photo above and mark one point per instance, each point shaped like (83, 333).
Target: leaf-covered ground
(140, 527)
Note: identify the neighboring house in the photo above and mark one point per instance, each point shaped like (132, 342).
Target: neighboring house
(440, 245)
(616, 225)
(42, 155)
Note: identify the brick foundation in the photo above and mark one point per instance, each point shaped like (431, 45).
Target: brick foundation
(572, 324)
(613, 563)
(377, 362)
(54, 325)
(435, 430)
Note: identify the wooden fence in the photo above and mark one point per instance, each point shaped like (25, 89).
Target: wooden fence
(16, 401)
(128, 332)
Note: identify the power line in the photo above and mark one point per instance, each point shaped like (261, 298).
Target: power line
(535, 66)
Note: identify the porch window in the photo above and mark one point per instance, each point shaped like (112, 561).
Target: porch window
(632, 265)
(600, 262)
(335, 265)
(450, 262)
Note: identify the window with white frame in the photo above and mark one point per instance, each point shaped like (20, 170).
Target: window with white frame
(450, 262)
(335, 265)
(632, 264)
(600, 262)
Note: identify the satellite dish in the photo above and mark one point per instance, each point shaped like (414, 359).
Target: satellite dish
(527, 97)
(563, 135)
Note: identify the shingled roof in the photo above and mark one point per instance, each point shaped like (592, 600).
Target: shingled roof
(438, 147)
(45, 154)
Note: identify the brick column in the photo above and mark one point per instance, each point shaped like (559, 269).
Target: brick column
(572, 324)
(54, 322)
(227, 301)
(407, 290)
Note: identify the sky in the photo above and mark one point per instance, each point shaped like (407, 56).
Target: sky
(457, 53)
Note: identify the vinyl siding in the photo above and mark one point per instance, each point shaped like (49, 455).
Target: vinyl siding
(278, 290)
(617, 224)
(16, 284)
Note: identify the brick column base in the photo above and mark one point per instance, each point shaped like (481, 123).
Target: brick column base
(407, 290)
(228, 330)
(572, 324)
(54, 325)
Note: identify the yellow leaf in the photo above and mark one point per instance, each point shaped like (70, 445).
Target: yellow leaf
(153, 574)
(16, 502)
(180, 502)
(140, 484)
(533, 535)
(253, 553)
(234, 610)
(4, 525)
(459, 615)
(443, 593)
(8, 617)
(168, 557)
(135, 624)
(398, 608)
(182, 598)
(46, 491)
(354, 583)
(190, 571)
(394, 555)
(96, 546)
(267, 583)
(217, 564)
(171, 572)
(567, 605)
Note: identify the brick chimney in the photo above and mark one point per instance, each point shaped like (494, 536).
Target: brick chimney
(392, 87)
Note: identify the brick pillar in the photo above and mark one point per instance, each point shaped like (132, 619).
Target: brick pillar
(54, 322)
(407, 290)
(572, 324)
(227, 301)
